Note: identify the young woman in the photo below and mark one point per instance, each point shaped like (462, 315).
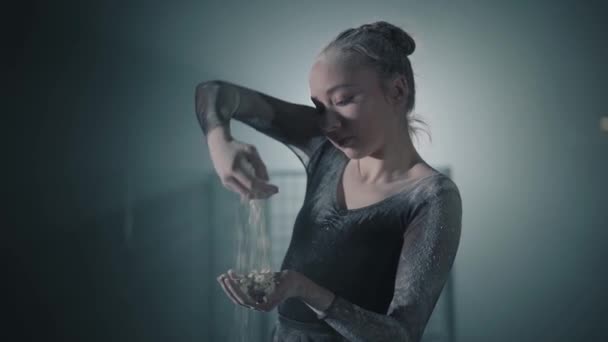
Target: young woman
(379, 228)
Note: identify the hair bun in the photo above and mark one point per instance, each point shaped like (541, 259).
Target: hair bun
(403, 40)
(398, 36)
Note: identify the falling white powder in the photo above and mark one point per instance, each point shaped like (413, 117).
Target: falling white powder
(252, 259)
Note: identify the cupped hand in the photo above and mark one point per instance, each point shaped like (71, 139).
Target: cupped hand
(288, 283)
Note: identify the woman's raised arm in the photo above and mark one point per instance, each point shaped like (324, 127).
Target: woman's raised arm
(295, 125)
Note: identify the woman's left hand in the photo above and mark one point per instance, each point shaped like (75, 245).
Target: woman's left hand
(289, 284)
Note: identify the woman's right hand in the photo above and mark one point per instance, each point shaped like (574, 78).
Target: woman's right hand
(239, 166)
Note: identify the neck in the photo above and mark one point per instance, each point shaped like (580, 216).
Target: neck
(389, 163)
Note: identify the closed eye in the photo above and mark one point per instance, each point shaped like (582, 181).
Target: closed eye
(345, 101)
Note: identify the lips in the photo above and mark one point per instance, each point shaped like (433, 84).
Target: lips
(342, 141)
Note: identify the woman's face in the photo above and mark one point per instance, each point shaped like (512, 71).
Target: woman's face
(353, 111)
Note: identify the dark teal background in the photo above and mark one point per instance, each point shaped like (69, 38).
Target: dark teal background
(99, 113)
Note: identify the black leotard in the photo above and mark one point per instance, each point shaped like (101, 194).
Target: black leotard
(386, 263)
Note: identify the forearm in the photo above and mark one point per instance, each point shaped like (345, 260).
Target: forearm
(350, 320)
(316, 297)
(217, 102)
(360, 325)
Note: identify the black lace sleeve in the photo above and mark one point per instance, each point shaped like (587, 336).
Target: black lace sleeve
(429, 248)
(295, 125)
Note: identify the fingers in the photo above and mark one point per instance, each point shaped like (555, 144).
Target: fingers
(220, 280)
(255, 187)
(233, 275)
(231, 289)
(230, 283)
(236, 186)
(258, 165)
(248, 176)
(241, 298)
(267, 306)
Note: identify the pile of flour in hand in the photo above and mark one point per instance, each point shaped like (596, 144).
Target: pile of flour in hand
(258, 284)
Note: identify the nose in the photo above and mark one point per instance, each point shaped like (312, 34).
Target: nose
(330, 122)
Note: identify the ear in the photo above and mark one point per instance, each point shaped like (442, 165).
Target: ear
(399, 89)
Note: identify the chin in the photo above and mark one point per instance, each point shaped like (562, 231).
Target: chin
(352, 153)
